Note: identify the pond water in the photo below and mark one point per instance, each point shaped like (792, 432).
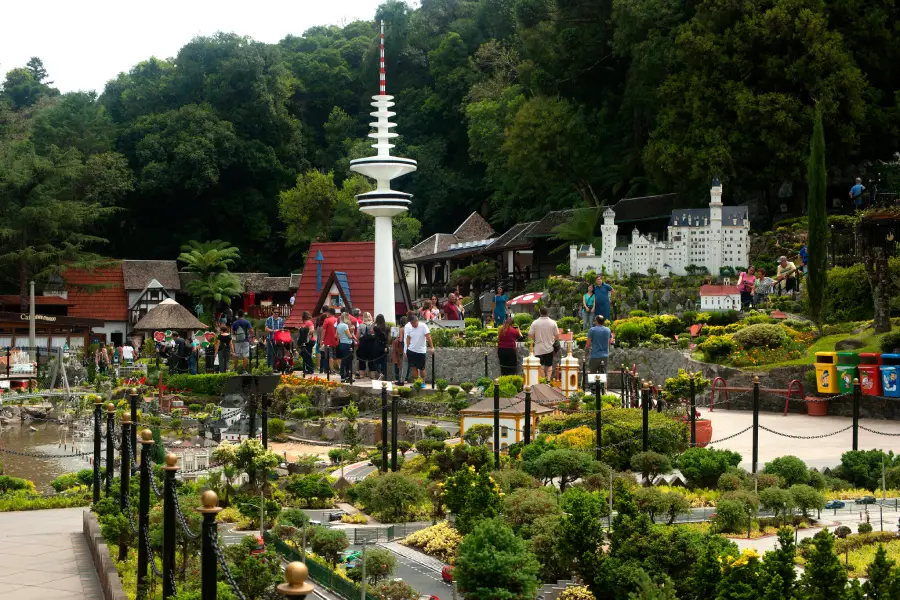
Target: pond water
(46, 440)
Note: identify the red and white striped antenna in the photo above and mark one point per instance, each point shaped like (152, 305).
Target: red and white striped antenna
(381, 79)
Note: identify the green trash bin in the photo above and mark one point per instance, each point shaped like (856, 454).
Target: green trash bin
(847, 370)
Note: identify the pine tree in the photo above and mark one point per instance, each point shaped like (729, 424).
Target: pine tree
(780, 563)
(825, 577)
(774, 589)
(818, 222)
(877, 587)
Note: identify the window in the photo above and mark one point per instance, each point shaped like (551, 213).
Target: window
(504, 431)
(335, 300)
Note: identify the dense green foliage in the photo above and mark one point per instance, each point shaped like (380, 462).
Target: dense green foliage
(512, 107)
(816, 182)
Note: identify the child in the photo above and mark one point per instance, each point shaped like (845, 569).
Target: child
(397, 351)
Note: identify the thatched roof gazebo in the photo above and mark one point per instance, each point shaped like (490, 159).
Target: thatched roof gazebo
(168, 314)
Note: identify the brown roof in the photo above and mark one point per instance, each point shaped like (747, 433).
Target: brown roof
(507, 406)
(439, 242)
(544, 227)
(97, 294)
(515, 236)
(251, 282)
(474, 228)
(137, 274)
(295, 280)
(544, 394)
(168, 314)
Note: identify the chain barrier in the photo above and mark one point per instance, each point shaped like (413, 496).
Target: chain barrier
(44, 455)
(184, 526)
(226, 571)
(734, 435)
(806, 437)
(151, 559)
(130, 516)
(879, 432)
(156, 491)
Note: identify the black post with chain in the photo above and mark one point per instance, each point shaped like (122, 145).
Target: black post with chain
(645, 409)
(856, 392)
(693, 412)
(433, 372)
(209, 541)
(486, 365)
(98, 440)
(599, 415)
(528, 416)
(755, 422)
(625, 403)
(497, 423)
(110, 445)
(125, 480)
(265, 421)
(144, 512)
(384, 428)
(395, 400)
(169, 500)
(133, 398)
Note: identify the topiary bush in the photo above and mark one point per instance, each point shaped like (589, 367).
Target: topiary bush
(507, 390)
(890, 343)
(638, 313)
(634, 330)
(467, 386)
(717, 347)
(864, 528)
(761, 336)
(523, 320)
(472, 322)
(569, 323)
(668, 325)
(517, 380)
(843, 531)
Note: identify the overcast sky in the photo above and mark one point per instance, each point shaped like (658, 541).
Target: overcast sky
(86, 43)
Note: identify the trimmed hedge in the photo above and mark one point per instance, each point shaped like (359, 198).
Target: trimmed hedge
(209, 384)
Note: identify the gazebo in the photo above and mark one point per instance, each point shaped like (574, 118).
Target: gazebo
(168, 314)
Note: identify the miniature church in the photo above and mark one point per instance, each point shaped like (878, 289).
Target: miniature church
(714, 237)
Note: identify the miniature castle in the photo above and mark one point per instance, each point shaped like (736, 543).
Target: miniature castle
(712, 237)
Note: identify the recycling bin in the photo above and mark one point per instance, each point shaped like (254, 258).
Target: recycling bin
(890, 374)
(847, 370)
(826, 372)
(869, 373)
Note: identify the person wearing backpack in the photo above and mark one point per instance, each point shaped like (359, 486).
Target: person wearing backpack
(367, 352)
(241, 330)
(273, 324)
(306, 340)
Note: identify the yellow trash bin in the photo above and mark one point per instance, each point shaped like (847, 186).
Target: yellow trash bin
(826, 372)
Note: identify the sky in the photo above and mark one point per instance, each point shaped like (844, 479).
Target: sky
(86, 43)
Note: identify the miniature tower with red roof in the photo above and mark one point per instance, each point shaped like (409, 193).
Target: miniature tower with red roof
(383, 203)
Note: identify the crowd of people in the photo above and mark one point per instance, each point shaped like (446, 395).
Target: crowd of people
(756, 286)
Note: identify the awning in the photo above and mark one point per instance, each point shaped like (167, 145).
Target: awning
(526, 299)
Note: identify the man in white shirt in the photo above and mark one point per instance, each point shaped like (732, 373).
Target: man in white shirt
(417, 334)
(545, 334)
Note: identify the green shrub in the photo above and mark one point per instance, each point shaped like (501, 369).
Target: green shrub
(762, 336)
(715, 330)
(467, 386)
(299, 414)
(689, 317)
(757, 319)
(569, 323)
(507, 390)
(668, 325)
(209, 384)
(890, 343)
(483, 382)
(404, 391)
(472, 322)
(864, 528)
(634, 330)
(66, 481)
(638, 313)
(523, 321)
(848, 296)
(730, 516)
(717, 347)
(13, 484)
(679, 387)
(517, 380)
(441, 384)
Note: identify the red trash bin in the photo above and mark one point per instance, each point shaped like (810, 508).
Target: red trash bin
(870, 373)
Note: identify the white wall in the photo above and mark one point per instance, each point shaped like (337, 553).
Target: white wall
(111, 327)
(730, 302)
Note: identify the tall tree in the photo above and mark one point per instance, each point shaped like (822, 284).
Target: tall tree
(494, 563)
(824, 577)
(817, 235)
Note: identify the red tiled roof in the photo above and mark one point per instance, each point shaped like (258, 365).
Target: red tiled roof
(718, 290)
(109, 303)
(356, 259)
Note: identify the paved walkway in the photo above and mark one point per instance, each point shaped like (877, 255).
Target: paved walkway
(816, 452)
(43, 554)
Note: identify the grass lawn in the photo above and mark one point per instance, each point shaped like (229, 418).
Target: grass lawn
(871, 340)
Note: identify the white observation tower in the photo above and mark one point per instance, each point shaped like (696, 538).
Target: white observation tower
(383, 203)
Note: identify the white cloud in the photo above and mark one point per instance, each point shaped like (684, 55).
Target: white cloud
(85, 44)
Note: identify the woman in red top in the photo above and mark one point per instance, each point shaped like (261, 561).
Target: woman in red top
(507, 337)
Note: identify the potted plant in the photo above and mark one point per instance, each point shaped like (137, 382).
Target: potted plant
(816, 405)
(677, 390)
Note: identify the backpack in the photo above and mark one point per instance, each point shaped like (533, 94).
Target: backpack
(240, 334)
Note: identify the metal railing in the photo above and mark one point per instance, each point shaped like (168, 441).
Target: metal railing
(319, 572)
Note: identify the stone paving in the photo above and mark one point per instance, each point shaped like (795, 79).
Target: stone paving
(43, 554)
(818, 452)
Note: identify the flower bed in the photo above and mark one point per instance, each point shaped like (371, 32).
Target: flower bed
(440, 541)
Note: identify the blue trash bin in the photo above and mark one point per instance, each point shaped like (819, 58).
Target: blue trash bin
(890, 375)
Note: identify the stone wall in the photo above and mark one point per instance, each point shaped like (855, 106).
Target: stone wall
(369, 431)
(103, 563)
(467, 364)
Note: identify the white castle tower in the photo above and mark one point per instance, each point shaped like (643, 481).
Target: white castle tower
(383, 203)
(714, 245)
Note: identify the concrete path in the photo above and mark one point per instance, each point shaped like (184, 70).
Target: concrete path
(43, 554)
(816, 452)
